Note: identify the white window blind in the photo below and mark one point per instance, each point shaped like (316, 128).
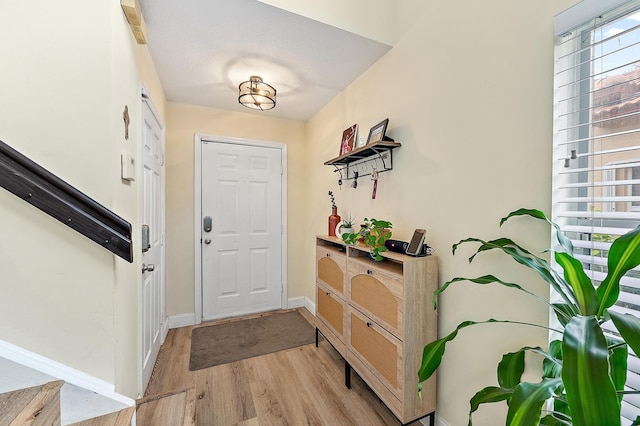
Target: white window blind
(596, 154)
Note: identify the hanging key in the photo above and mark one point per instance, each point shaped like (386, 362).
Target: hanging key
(374, 178)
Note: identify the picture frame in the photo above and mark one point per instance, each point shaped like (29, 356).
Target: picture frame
(349, 137)
(376, 134)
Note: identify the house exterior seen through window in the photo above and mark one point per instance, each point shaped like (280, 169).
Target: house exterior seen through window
(596, 154)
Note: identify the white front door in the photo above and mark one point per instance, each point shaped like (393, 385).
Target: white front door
(153, 254)
(242, 250)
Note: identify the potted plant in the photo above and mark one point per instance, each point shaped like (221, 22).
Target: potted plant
(374, 233)
(583, 373)
(345, 226)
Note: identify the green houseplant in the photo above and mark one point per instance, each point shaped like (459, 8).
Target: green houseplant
(374, 233)
(585, 372)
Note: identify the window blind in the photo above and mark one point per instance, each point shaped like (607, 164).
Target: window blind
(596, 151)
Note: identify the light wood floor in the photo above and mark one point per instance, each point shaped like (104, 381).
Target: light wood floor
(300, 386)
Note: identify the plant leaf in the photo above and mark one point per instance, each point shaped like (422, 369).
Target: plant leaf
(585, 373)
(583, 289)
(549, 420)
(525, 406)
(624, 254)
(433, 352)
(485, 279)
(636, 422)
(564, 312)
(561, 410)
(527, 259)
(537, 214)
(551, 367)
(629, 328)
(618, 368)
(488, 395)
(510, 369)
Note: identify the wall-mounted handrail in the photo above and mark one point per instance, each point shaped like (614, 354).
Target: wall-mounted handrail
(42, 189)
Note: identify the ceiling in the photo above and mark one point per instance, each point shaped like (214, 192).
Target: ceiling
(203, 49)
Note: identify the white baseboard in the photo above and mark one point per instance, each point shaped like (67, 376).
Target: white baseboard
(440, 421)
(302, 301)
(181, 320)
(60, 371)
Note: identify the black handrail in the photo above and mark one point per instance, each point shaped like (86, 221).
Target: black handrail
(42, 189)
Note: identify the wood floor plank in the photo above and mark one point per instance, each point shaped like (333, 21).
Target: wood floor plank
(290, 393)
(169, 410)
(190, 408)
(300, 386)
(223, 395)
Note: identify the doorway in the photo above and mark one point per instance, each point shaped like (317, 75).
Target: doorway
(240, 227)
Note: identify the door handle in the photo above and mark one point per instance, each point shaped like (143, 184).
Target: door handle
(207, 241)
(150, 267)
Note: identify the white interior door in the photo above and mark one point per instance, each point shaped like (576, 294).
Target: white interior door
(153, 254)
(242, 252)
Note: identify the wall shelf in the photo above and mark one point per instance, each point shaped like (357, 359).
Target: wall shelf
(365, 160)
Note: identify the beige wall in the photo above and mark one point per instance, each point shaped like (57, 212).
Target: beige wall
(183, 122)
(468, 92)
(57, 285)
(67, 74)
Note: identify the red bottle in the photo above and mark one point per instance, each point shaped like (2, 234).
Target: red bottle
(334, 219)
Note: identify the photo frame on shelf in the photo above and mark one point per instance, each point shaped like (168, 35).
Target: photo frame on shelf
(376, 134)
(349, 137)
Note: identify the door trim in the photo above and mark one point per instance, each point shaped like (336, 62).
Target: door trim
(197, 197)
(146, 99)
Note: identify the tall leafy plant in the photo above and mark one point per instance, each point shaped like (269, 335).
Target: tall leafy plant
(584, 373)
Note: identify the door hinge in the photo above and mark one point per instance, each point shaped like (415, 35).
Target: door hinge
(162, 164)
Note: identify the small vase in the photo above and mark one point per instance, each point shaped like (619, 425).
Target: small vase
(334, 219)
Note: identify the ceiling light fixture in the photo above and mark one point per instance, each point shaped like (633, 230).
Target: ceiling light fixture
(256, 94)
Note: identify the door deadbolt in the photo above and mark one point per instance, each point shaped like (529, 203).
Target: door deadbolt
(207, 224)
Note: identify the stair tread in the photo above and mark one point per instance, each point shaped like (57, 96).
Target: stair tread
(119, 418)
(17, 376)
(79, 404)
(36, 405)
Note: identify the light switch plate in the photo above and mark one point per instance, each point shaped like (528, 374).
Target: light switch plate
(128, 167)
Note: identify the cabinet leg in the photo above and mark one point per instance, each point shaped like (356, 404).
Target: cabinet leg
(316, 337)
(432, 419)
(347, 374)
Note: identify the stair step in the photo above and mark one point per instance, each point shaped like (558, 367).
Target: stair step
(119, 418)
(17, 376)
(37, 405)
(79, 404)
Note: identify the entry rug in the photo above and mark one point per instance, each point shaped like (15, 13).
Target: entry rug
(233, 341)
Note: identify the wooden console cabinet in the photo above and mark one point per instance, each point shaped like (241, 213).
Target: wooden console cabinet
(379, 316)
